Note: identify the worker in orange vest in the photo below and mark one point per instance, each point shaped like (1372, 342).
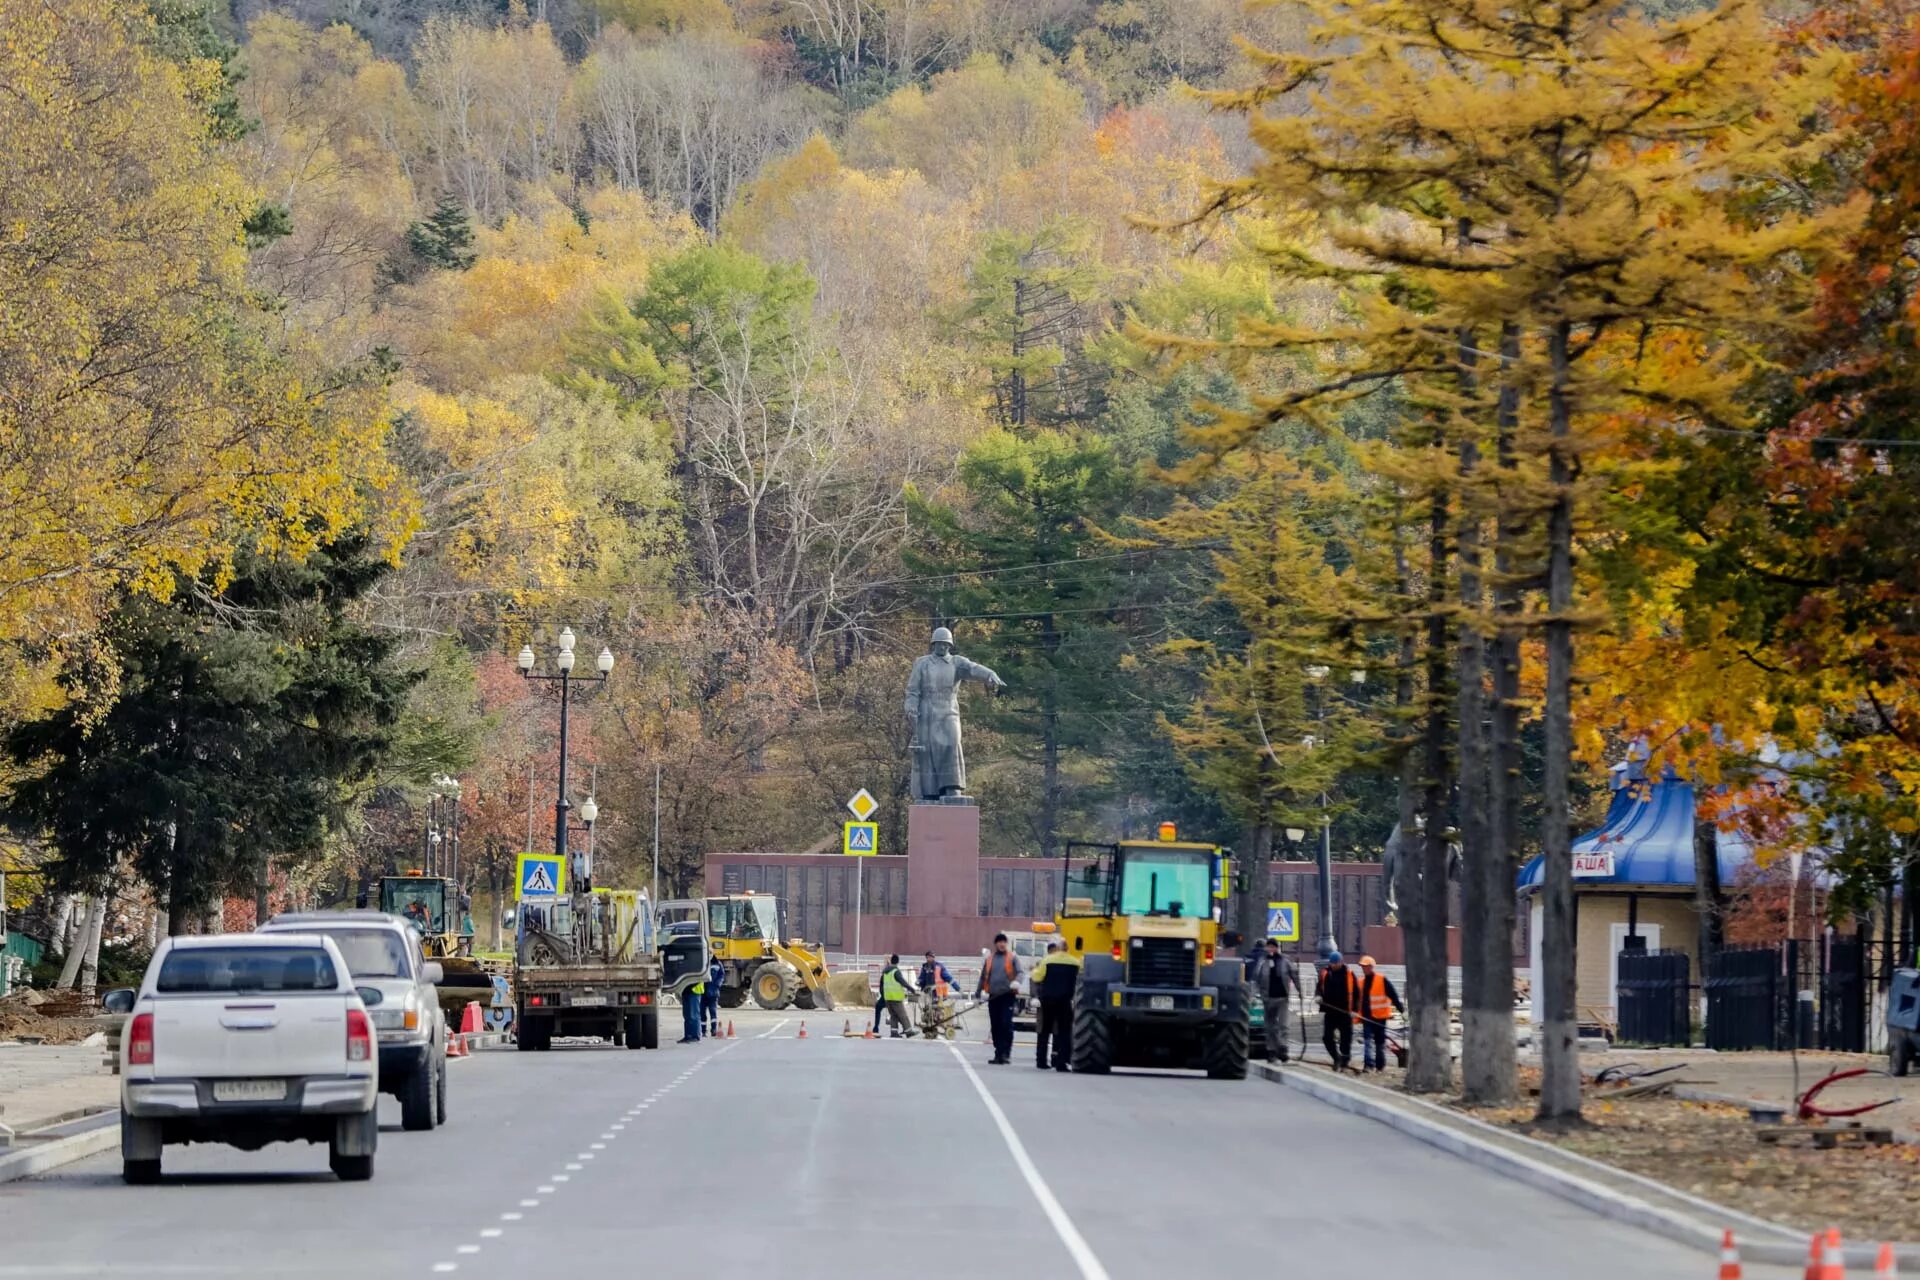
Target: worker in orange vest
(1378, 1002)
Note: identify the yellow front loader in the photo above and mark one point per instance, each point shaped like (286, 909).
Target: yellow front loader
(746, 932)
(1153, 990)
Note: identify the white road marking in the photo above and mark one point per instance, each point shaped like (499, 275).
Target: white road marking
(490, 1233)
(561, 1177)
(597, 1146)
(574, 1168)
(468, 1248)
(543, 1190)
(529, 1204)
(511, 1217)
(775, 1027)
(1077, 1246)
(446, 1266)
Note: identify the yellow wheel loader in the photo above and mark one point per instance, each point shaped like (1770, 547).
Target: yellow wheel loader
(746, 932)
(1152, 991)
(423, 902)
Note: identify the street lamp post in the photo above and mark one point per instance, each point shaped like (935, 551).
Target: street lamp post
(1324, 945)
(563, 666)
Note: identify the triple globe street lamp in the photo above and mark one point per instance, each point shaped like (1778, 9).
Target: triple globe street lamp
(563, 663)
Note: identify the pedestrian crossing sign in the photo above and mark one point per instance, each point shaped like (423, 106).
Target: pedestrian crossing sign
(860, 838)
(540, 875)
(1283, 921)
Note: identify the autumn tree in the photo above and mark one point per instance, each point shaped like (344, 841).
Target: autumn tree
(144, 410)
(1559, 178)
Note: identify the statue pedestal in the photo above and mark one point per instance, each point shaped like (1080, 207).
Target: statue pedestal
(943, 860)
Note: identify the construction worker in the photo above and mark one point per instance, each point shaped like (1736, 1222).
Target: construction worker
(893, 991)
(935, 978)
(1338, 991)
(1271, 975)
(690, 1001)
(1377, 1002)
(1053, 981)
(1000, 983)
(710, 1003)
(936, 985)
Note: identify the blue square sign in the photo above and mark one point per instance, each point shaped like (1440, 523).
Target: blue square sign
(1283, 921)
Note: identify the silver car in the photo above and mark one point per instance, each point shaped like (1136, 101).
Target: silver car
(397, 983)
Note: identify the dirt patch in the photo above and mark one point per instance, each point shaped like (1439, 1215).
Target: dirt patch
(21, 1019)
(1711, 1150)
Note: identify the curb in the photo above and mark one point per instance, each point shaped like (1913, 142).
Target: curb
(1785, 1248)
(54, 1152)
(472, 1041)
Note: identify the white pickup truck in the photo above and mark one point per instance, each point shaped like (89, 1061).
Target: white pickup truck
(247, 1039)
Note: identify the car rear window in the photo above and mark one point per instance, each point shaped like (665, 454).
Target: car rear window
(246, 970)
(371, 953)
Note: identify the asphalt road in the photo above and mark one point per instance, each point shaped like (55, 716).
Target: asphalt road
(768, 1154)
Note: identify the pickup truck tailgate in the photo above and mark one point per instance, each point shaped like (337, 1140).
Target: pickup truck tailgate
(249, 1016)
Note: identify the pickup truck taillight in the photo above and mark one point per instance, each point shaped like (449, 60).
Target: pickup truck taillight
(359, 1036)
(140, 1041)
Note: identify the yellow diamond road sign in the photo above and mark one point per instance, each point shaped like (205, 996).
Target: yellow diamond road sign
(862, 805)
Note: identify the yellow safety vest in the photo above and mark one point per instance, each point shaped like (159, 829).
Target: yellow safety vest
(891, 988)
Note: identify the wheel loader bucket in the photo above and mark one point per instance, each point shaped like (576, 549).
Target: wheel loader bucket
(812, 968)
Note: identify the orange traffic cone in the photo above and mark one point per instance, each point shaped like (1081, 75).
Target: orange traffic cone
(1833, 1260)
(869, 1035)
(1729, 1258)
(803, 1029)
(456, 1045)
(1884, 1266)
(729, 1028)
(471, 1021)
(1816, 1258)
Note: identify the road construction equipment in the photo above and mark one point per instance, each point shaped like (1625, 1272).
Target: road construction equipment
(586, 965)
(745, 931)
(431, 904)
(1152, 992)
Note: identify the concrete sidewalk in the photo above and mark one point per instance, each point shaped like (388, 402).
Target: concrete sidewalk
(43, 1083)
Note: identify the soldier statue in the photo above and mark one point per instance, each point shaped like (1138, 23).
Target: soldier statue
(933, 715)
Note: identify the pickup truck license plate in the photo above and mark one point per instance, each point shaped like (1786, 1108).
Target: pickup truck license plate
(1159, 1002)
(249, 1090)
(589, 999)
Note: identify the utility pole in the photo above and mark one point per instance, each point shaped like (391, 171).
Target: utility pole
(656, 835)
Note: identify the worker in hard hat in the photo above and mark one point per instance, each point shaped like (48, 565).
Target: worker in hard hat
(1377, 1001)
(1053, 981)
(1338, 991)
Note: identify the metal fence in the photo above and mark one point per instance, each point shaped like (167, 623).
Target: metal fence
(1743, 986)
(1652, 989)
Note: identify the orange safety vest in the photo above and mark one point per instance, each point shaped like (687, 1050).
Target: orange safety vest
(1373, 997)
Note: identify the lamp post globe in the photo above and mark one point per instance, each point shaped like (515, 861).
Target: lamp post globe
(589, 811)
(604, 663)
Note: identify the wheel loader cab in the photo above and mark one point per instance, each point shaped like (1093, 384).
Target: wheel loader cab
(1140, 914)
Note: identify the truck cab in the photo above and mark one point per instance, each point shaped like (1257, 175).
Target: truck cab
(1153, 991)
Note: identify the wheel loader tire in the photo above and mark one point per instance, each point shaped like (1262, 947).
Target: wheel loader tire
(773, 987)
(1225, 1052)
(1226, 1045)
(1092, 1043)
(732, 997)
(803, 998)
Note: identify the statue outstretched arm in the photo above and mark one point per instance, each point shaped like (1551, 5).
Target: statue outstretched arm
(967, 669)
